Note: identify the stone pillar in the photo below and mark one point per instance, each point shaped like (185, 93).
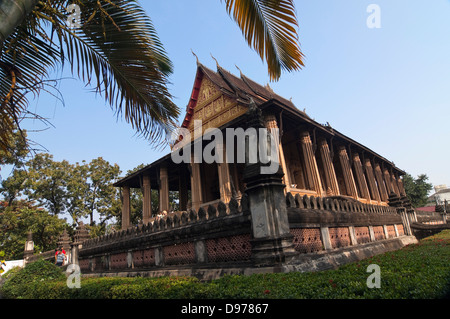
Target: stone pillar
(381, 186)
(347, 172)
(146, 200)
(126, 207)
(159, 256)
(164, 189)
(29, 247)
(372, 182)
(312, 172)
(224, 175)
(74, 249)
(395, 201)
(326, 240)
(270, 123)
(196, 185)
(360, 177)
(330, 174)
(405, 220)
(201, 253)
(352, 232)
(81, 234)
(272, 240)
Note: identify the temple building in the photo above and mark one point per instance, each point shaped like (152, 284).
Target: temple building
(317, 160)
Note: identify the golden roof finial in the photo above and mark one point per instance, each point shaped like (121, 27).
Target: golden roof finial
(195, 55)
(240, 71)
(217, 63)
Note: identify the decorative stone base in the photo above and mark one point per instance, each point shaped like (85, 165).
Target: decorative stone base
(300, 263)
(272, 251)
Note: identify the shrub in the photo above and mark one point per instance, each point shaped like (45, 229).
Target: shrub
(22, 282)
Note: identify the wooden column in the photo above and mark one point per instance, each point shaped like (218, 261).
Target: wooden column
(126, 207)
(312, 172)
(387, 181)
(347, 172)
(381, 186)
(330, 174)
(196, 185)
(224, 175)
(147, 200)
(360, 177)
(183, 188)
(394, 184)
(401, 187)
(164, 189)
(271, 122)
(375, 194)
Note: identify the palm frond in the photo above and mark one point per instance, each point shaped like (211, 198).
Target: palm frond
(117, 50)
(269, 26)
(25, 60)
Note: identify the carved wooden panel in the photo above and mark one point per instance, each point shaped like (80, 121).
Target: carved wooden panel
(213, 108)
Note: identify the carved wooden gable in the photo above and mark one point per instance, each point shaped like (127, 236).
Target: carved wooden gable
(214, 108)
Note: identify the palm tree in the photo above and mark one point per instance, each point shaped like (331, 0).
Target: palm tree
(118, 50)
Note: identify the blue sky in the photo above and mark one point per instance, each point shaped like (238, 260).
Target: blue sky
(387, 88)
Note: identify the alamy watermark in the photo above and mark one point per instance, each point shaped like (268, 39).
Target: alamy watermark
(374, 280)
(252, 146)
(374, 19)
(74, 18)
(73, 274)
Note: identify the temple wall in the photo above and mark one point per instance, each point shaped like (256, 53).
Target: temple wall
(219, 240)
(214, 235)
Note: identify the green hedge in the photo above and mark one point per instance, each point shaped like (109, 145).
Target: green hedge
(416, 271)
(20, 282)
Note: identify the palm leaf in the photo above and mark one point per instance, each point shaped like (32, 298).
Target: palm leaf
(25, 60)
(269, 26)
(117, 50)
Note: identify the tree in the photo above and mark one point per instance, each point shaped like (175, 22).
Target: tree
(91, 191)
(47, 182)
(81, 190)
(117, 49)
(24, 216)
(417, 189)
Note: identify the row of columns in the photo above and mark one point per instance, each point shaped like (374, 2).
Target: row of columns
(373, 182)
(362, 179)
(164, 205)
(147, 197)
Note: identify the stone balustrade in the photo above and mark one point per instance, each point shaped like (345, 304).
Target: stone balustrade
(217, 234)
(335, 204)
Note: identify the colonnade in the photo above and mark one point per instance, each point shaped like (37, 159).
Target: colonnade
(346, 172)
(366, 179)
